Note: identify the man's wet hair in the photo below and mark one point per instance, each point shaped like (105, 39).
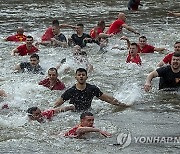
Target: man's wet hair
(134, 44)
(176, 54)
(55, 22)
(177, 42)
(20, 30)
(29, 37)
(81, 25)
(31, 110)
(143, 37)
(84, 114)
(81, 70)
(34, 56)
(53, 69)
(101, 23)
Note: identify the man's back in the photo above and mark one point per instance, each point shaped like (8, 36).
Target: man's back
(115, 27)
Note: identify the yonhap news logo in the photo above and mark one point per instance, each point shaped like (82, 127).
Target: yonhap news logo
(125, 139)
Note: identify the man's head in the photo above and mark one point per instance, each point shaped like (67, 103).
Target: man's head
(34, 113)
(177, 46)
(55, 22)
(122, 16)
(34, 60)
(133, 49)
(52, 74)
(29, 40)
(175, 62)
(142, 41)
(20, 30)
(81, 75)
(87, 119)
(101, 24)
(79, 28)
(55, 29)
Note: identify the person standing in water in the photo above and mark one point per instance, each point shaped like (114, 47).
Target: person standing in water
(134, 5)
(169, 75)
(82, 93)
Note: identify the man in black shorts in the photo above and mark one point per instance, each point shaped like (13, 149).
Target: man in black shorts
(169, 75)
(82, 93)
(31, 67)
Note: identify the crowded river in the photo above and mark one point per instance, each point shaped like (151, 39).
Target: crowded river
(153, 116)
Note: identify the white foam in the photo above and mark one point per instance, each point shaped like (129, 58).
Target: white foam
(128, 93)
(13, 121)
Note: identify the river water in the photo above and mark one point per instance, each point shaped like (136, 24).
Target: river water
(154, 114)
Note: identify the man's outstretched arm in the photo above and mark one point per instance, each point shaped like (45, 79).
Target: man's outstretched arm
(112, 100)
(58, 102)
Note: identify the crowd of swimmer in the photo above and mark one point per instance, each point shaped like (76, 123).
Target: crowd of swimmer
(81, 94)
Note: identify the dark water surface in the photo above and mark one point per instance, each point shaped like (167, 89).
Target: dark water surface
(154, 114)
